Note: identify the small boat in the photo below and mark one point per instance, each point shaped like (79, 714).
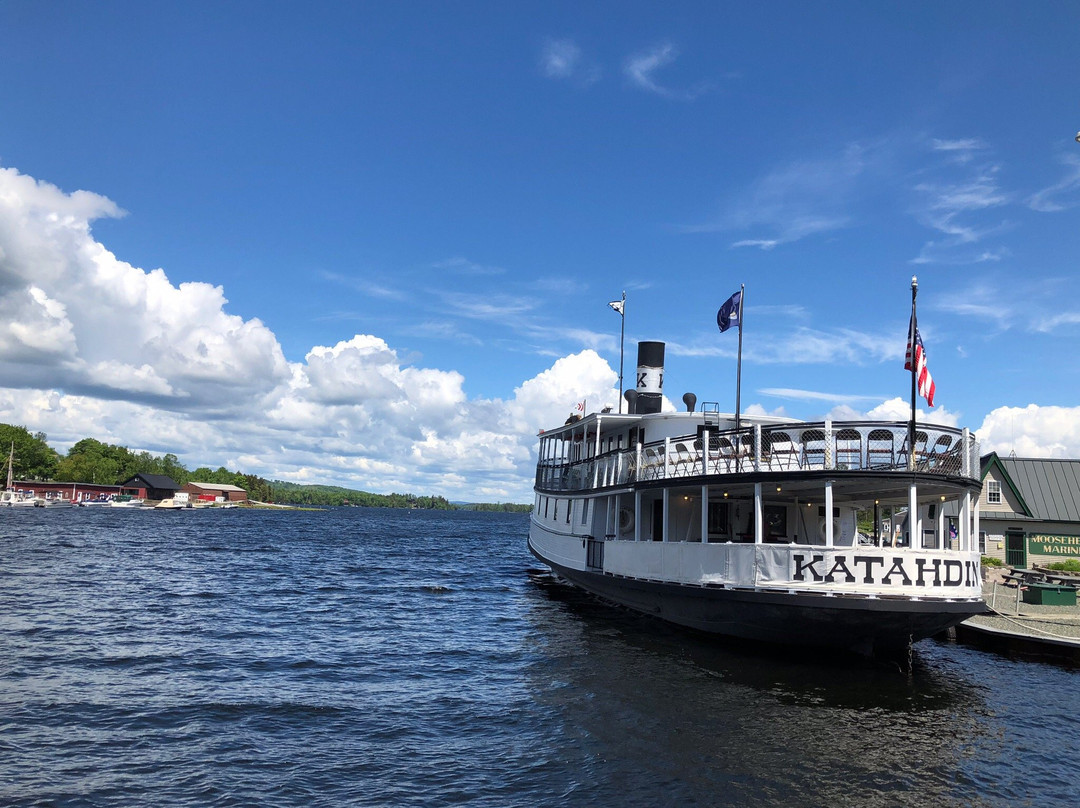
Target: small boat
(58, 502)
(126, 501)
(169, 505)
(755, 528)
(20, 499)
(98, 502)
(11, 498)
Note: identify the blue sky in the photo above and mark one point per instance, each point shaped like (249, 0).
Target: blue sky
(373, 244)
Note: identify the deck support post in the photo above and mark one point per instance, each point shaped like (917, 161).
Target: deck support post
(829, 537)
(637, 513)
(965, 522)
(705, 514)
(759, 528)
(974, 537)
(830, 455)
(913, 523)
(666, 523)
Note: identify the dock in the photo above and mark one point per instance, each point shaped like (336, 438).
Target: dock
(1017, 627)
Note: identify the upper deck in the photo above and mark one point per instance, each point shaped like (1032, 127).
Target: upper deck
(607, 450)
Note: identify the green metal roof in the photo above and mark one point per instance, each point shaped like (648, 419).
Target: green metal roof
(1049, 487)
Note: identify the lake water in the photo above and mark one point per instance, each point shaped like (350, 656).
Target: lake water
(384, 658)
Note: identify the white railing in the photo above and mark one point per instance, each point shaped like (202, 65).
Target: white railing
(848, 446)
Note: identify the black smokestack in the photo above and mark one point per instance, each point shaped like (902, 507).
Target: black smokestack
(650, 376)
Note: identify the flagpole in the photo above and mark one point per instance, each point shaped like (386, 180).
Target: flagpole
(912, 330)
(622, 334)
(738, 372)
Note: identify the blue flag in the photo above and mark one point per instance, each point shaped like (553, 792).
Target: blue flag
(730, 312)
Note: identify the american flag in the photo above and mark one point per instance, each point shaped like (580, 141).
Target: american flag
(922, 373)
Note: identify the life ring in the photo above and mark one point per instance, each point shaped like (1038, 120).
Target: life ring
(626, 520)
(835, 528)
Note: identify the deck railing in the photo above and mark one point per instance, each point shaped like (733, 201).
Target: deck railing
(853, 446)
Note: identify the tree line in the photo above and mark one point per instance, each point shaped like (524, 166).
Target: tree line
(91, 461)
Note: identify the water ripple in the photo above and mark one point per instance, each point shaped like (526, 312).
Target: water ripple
(379, 658)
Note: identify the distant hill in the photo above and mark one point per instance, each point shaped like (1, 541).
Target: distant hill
(298, 494)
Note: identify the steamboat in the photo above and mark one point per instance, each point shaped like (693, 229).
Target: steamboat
(750, 527)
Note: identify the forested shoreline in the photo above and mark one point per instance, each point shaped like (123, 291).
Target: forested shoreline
(91, 461)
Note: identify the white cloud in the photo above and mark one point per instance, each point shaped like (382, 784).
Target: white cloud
(563, 59)
(955, 206)
(1063, 194)
(72, 310)
(641, 69)
(796, 201)
(1031, 431)
(91, 346)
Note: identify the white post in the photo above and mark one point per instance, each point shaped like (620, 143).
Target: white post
(759, 511)
(757, 447)
(667, 461)
(830, 456)
(973, 538)
(666, 524)
(943, 537)
(637, 513)
(829, 538)
(704, 514)
(914, 527)
(705, 451)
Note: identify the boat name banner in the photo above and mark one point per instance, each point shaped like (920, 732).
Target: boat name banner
(884, 569)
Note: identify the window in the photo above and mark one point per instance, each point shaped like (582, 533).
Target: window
(569, 507)
(776, 521)
(982, 542)
(993, 492)
(584, 511)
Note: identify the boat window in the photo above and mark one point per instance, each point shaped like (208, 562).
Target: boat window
(546, 501)
(584, 511)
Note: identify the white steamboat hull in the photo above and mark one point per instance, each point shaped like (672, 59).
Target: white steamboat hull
(866, 600)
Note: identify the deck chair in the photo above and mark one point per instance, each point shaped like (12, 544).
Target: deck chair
(880, 449)
(652, 461)
(813, 448)
(685, 459)
(940, 449)
(849, 449)
(778, 450)
(920, 450)
(724, 457)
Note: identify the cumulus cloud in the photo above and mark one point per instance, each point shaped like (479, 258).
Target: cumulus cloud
(1031, 431)
(72, 310)
(91, 346)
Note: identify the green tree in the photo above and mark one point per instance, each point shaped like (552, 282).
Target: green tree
(34, 459)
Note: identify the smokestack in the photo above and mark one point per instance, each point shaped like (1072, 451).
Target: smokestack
(650, 376)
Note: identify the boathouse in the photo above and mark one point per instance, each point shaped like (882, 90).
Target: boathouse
(215, 492)
(152, 486)
(1029, 510)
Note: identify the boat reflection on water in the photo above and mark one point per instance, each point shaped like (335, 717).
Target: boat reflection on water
(646, 701)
